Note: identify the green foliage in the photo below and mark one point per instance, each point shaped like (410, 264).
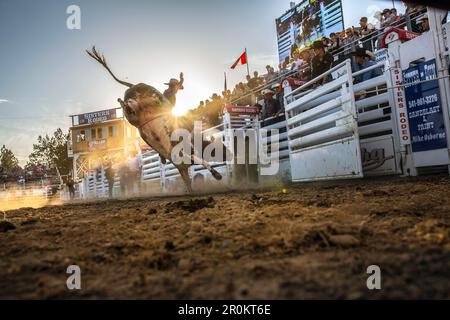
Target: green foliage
(51, 151)
(8, 162)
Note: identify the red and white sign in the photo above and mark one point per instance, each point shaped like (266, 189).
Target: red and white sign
(394, 34)
(242, 110)
(400, 104)
(292, 82)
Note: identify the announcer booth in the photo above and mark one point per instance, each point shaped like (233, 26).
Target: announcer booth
(98, 135)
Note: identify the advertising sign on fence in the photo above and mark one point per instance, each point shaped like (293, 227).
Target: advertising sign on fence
(248, 110)
(425, 115)
(400, 102)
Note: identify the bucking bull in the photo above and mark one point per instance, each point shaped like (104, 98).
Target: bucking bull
(151, 113)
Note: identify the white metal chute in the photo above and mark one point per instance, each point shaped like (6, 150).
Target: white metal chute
(323, 136)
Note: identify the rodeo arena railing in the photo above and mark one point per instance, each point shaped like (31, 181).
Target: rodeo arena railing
(336, 126)
(30, 194)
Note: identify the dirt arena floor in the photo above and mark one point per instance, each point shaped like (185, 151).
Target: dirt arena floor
(309, 241)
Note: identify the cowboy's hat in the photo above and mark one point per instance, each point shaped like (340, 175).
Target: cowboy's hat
(421, 19)
(361, 52)
(267, 91)
(276, 86)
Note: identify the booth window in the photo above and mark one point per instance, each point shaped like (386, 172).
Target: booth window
(81, 136)
(100, 133)
(111, 131)
(93, 134)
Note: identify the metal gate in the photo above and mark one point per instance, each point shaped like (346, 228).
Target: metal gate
(323, 136)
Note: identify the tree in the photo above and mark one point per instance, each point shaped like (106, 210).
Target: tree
(8, 162)
(51, 151)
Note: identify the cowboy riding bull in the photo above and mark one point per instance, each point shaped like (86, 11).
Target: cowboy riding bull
(151, 113)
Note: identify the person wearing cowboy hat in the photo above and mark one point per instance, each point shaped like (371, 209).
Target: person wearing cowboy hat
(174, 86)
(305, 68)
(321, 62)
(272, 106)
(424, 23)
(363, 60)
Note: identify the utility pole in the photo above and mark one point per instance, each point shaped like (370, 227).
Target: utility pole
(246, 56)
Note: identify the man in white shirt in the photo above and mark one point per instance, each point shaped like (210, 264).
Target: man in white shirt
(134, 164)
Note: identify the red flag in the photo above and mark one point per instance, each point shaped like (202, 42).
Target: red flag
(241, 60)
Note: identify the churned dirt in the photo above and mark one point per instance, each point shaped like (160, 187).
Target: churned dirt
(308, 241)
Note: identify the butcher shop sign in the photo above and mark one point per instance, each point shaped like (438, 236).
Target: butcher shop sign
(96, 117)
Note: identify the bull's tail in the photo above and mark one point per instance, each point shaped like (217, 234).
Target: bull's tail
(101, 59)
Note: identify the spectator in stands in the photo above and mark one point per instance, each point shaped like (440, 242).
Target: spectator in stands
(394, 16)
(321, 62)
(283, 69)
(335, 43)
(350, 42)
(411, 14)
(297, 62)
(271, 74)
(363, 61)
(278, 89)
(378, 17)
(367, 33)
(424, 24)
(257, 80)
(385, 18)
(174, 86)
(272, 106)
(305, 70)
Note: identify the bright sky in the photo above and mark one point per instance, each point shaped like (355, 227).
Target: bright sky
(46, 75)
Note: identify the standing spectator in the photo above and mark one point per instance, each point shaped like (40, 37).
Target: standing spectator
(253, 83)
(134, 163)
(257, 80)
(350, 41)
(110, 175)
(123, 172)
(271, 74)
(250, 82)
(283, 69)
(335, 43)
(367, 34)
(297, 62)
(71, 186)
(305, 70)
(278, 89)
(394, 18)
(411, 14)
(321, 62)
(174, 86)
